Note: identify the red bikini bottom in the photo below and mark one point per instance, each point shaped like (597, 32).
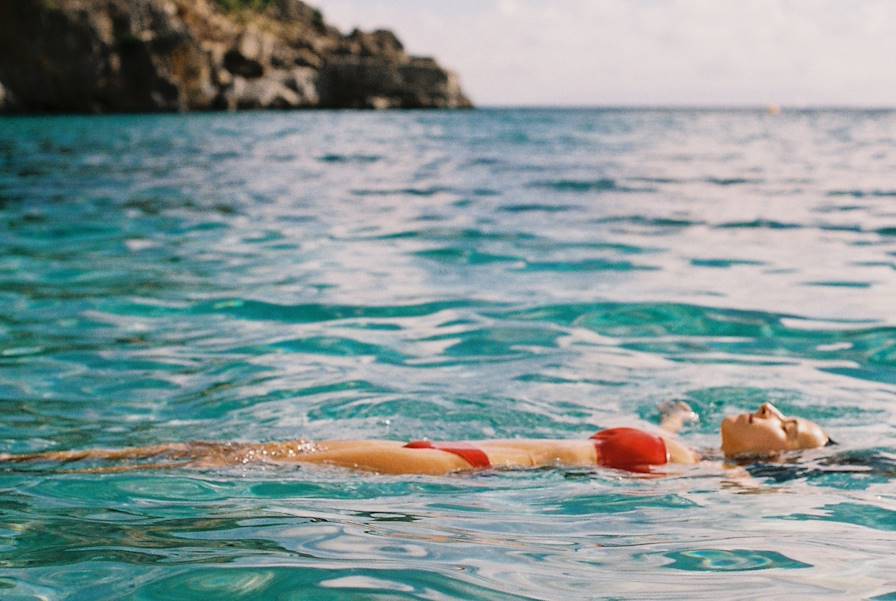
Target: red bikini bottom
(475, 456)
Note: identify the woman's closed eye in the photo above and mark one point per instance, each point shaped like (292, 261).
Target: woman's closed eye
(767, 410)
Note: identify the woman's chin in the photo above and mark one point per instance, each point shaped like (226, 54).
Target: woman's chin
(729, 444)
(733, 448)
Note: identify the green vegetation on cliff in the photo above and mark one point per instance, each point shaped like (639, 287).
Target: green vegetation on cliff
(234, 6)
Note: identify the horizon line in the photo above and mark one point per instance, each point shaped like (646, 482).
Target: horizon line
(694, 107)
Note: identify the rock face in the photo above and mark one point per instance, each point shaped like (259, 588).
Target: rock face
(178, 55)
(6, 102)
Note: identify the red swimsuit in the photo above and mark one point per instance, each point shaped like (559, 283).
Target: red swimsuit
(620, 448)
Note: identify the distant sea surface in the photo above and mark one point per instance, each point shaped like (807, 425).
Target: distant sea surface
(495, 273)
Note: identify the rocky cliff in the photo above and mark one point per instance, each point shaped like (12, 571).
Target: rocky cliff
(178, 55)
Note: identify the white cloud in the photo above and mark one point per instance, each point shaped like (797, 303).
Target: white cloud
(585, 52)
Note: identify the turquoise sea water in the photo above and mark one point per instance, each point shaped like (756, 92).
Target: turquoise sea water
(497, 273)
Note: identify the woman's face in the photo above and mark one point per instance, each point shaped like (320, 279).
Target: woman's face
(768, 431)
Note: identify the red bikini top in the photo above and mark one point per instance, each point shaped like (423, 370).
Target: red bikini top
(475, 456)
(629, 449)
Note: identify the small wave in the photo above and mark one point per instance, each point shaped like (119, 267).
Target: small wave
(731, 181)
(613, 247)
(886, 264)
(277, 582)
(484, 161)
(463, 256)
(648, 221)
(760, 224)
(586, 265)
(495, 343)
(877, 373)
(715, 181)
(723, 263)
(349, 158)
(339, 346)
(450, 234)
(409, 191)
(858, 193)
(536, 207)
(657, 180)
(485, 192)
(594, 185)
(731, 560)
(224, 155)
(315, 313)
(839, 208)
(834, 227)
(540, 378)
(839, 284)
(678, 319)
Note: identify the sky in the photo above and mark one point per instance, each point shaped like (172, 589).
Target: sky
(648, 52)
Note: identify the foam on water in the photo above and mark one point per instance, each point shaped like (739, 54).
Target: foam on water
(452, 275)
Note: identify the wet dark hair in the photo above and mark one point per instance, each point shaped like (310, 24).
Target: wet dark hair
(853, 463)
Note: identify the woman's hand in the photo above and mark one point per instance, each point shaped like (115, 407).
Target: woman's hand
(675, 414)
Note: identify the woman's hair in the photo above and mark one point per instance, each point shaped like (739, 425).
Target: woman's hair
(862, 463)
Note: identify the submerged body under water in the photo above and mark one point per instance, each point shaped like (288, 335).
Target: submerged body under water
(490, 274)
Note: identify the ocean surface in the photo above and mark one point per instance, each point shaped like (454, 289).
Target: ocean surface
(495, 273)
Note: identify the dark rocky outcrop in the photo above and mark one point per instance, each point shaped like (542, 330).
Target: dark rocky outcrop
(7, 102)
(178, 55)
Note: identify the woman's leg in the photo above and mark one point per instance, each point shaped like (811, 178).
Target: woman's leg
(387, 459)
(176, 450)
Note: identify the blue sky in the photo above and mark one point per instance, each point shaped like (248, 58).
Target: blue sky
(649, 52)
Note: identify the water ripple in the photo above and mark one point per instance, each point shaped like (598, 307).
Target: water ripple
(497, 273)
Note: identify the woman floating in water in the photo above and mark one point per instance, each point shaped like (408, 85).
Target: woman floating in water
(763, 433)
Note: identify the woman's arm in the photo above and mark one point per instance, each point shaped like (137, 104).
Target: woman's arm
(678, 453)
(675, 415)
